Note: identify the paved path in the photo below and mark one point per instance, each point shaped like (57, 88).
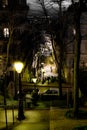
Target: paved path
(35, 120)
(48, 119)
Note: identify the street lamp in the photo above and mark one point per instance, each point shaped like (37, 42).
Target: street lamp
(19, 67)
(34, 81)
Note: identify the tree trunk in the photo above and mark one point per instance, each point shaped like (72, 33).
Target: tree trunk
(76, 64)
(60, 80)
(58, 60)
(76, 76)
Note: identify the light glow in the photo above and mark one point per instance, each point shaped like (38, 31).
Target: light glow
(34, 80)
(18, 66)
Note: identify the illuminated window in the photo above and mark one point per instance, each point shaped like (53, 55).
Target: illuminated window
(6, 32)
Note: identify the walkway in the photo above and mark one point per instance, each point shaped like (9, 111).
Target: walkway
(45, 119)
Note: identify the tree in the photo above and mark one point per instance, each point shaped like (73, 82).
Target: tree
(59, 28)
(76, 9)
(77, 15)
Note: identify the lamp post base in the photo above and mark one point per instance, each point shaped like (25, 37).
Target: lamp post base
(20, 111)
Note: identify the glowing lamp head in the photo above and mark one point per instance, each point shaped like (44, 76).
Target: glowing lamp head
(34, 80)
(18, 66)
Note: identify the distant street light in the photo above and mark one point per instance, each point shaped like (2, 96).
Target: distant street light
(19, 67)
(34, 81)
